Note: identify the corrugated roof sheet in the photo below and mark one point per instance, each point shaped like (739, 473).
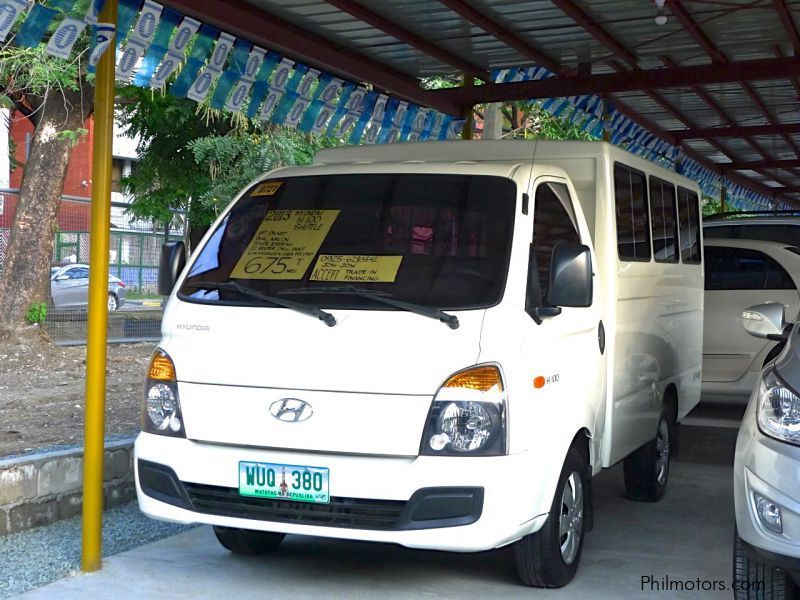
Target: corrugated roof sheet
(739, 30)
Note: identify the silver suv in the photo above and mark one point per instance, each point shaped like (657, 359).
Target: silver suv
(766, 470)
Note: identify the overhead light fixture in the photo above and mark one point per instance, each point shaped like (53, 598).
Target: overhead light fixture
(661, 15)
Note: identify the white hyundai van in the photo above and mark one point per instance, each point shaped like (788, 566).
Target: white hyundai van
(436, 345)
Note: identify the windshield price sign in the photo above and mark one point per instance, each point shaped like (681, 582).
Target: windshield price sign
(356, 268)
(285, 244)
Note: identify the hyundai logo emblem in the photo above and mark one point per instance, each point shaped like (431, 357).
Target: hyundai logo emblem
(291, 410)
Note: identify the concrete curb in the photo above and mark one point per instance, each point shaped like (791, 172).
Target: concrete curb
(40, 489)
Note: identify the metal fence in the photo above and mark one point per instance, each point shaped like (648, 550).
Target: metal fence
(135, 248)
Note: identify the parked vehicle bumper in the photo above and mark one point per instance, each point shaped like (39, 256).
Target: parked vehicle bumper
(512, 505)
(770, 468)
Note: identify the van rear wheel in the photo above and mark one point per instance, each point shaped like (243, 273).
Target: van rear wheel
(549, 558)
(246, 541)
(647, 469)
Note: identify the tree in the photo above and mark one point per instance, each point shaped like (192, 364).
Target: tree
(57, 97)
(194, 159)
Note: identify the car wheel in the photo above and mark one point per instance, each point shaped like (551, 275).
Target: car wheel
(246, 541)
(549, 558)
(753, 579)
(647, 469)
(113, 303)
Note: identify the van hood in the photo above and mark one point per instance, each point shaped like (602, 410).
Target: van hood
(368, 351)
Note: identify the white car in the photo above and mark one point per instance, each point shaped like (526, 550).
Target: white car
(769, 226)
(766, 470)
(741, 273)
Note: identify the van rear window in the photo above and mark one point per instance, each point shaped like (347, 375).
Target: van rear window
(689, 222)
(633, 228)
(437, 240)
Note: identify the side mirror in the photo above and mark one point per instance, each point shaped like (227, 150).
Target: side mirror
(570, 276)
(173, 259)
(62, 278)
(766, 321)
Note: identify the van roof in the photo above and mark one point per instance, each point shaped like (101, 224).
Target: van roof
(453, 151)
(488, 151)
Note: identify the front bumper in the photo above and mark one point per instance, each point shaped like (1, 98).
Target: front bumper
(506, 502)
(770, 468)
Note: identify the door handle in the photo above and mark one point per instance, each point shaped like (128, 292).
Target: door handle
(601, 337)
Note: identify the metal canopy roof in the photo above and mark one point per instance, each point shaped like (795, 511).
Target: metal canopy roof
(720, 77)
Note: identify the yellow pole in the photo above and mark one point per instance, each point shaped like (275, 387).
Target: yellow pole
(97, 335)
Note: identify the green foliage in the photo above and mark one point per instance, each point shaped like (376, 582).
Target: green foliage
(711, 206)
(166, 176)
(72, 136)
(233, 161)
(195, 159)
(547, 126)
(32, 71)
(37, 313)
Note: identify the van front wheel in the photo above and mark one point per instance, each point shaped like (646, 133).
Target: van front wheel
(246, 541)
(550, 557)
(647, 469)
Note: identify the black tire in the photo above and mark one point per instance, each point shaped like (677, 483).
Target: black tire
(113, 302)
(539, 557)
(246, 541)
(647, 469)
(753, 579)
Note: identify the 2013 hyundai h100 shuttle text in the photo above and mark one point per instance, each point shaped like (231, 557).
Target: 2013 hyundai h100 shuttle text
(436, 345)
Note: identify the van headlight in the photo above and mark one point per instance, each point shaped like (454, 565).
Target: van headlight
(161, 408)
(778, 410)
(467, 415)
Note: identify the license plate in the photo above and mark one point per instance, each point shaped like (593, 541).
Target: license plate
(284, 482)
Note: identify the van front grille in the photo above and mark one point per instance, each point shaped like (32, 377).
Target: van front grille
(354, 513)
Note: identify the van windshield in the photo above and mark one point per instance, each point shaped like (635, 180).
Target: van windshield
(352, 241)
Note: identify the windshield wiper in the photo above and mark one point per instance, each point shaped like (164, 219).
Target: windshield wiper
(426, 311)
(311, 311)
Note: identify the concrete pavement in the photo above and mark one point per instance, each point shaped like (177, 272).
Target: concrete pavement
(687, 537)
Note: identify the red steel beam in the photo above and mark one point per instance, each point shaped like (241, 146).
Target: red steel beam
(409, 37)
(732, 176)
(779, 53)
(629, 81)
(685, 19)
(257, 26)
(733, 131)
(788, 23)
(713, 105)
(789, 163)
(466, 12)
(600, 34)
(694, 30)
(604, 38)
(480, 20)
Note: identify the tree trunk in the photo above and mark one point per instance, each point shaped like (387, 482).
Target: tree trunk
(25, 277)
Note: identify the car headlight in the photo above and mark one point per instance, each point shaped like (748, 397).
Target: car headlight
(467, 415)
(778, 410)
(161, 408)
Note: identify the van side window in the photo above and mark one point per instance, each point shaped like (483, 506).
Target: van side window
(552, 225)
(689, 222)
(664, 217)
(744, 269)
(630, 197)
